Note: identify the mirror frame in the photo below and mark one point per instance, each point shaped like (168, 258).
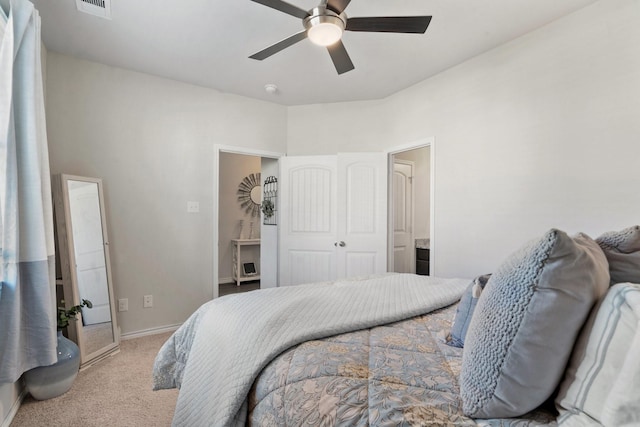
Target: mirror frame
(245, 191)
(64, 229)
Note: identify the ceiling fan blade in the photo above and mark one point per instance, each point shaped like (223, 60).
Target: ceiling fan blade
(390, 24)
(284, 7)
(340, 57)
(282, 44)
(338, 6)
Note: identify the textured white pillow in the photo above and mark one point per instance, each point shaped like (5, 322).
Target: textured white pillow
(526, 322)
(602, 383)
(622, 249)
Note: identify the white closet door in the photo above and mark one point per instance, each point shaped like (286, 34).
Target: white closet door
(403, 244)
(333, 222)
(308, 219)
(362, 214)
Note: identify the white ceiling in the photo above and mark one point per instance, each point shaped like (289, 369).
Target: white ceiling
(208, 42)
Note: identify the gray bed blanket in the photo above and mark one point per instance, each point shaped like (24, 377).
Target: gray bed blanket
(217, 354)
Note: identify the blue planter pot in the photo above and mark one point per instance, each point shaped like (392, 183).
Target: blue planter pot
(54, 380)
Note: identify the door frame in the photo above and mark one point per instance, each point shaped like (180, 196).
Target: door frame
(217, 149)
(421, 143)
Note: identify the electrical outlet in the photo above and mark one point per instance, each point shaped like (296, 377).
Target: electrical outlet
(193, 207)
(123, 304)
(148, 301)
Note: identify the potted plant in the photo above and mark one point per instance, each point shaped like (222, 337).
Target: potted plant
(64, 315)
(46, 382)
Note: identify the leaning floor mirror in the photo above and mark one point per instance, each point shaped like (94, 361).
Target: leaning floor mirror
(83, 251)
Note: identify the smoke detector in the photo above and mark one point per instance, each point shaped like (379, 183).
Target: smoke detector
(271, 89)
(100, 8)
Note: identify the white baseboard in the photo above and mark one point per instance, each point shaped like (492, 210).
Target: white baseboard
(224, 280)
(14, 408)
(150, 331)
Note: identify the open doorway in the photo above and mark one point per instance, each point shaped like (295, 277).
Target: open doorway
(239, 233)
(410, 210)
(244, 246)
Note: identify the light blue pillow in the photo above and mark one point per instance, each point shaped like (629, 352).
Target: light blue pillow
(526, 322)
(465, 310)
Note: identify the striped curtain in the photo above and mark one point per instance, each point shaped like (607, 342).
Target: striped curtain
(27, 289)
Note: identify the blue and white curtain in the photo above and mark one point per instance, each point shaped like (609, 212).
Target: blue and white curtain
(27, 289)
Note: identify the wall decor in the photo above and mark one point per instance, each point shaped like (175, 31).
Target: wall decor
(270, 200)
(250, 194)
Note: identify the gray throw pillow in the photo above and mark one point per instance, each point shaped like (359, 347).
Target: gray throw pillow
(524, 326)
(465, 310)
(622, 249)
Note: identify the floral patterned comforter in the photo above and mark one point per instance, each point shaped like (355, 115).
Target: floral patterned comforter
(401, 374)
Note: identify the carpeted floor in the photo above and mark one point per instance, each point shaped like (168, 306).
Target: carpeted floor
(114, 392)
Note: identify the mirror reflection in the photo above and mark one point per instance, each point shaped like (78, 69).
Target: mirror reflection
(91, 269)
(256, 195)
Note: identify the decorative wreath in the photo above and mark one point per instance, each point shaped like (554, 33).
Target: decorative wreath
(244, 194)
(267, 208)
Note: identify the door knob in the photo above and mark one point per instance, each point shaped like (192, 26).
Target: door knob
(342, 244)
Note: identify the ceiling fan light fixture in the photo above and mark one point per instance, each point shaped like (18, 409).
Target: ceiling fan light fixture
(324, 27)
(324, 34)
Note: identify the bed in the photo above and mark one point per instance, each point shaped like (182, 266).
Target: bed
(376, 350)
(401, 374)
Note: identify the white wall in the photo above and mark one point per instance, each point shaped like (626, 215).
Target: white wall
(269, 233)
(233, 169)
(151, 141)
(541, 132)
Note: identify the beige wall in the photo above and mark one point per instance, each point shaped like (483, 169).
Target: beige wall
(541, 132)
(233, 169)
(151, 141)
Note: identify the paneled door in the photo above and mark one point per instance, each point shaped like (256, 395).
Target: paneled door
(308, 188)
(333, 222)
(402, 194)
(362, 214)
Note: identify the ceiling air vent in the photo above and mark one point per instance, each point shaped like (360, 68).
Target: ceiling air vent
(101, 8)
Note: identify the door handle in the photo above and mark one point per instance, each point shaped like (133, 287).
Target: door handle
(342, 244)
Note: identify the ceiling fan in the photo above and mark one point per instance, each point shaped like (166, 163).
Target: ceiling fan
(324, 26)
